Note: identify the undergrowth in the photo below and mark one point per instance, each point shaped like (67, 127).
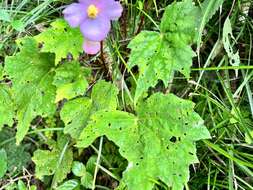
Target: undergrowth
(166, 104)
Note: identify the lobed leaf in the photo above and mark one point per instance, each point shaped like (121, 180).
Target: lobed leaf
(32, 75)
(61, 40)
(159, 55)
(159, 143)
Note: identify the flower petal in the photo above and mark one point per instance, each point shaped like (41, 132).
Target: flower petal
(114, 10)
(74, 14)
(95, 29)
(109, 8)
(91, 47)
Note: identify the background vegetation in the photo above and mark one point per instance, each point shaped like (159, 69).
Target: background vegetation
(222, 93)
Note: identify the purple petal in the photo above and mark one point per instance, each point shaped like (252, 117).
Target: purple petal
(109, 8)
(74, 14)
(95, 29)
(91, 47)
(114, 10)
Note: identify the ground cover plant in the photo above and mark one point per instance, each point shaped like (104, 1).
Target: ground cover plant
(126, 95)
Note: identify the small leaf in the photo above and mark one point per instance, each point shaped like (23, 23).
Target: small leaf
(21, 185)
(69, 185)
(57, 161)
(87, 180)
(78, 169)
(70, 81)
(61, 40)
(91, 164)
(3, 163)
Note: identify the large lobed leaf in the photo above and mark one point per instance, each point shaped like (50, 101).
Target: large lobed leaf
(159, 143)
(159, 54)
(32, 75)
(61, 40)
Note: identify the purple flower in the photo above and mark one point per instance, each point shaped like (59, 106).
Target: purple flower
(93, 17)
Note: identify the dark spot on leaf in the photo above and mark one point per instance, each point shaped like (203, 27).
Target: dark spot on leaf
(69, 122)
(173, 139)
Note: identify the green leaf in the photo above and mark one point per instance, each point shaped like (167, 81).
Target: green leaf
(87, 180)
(157, 60)
(18, 156)
(75, 113)
(1, 69)
(18, 25)
(178, 23)
(164, 131)
(61, 40)
(206, 12)
(21, 185)
(32, 75)
(3, 163)
(70, 81)
(78, 169)
(91, 164)
(69, 185)
(6, 103)
(57, 161)
(159, 55)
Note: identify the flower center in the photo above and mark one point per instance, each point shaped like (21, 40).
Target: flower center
(92, 11)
